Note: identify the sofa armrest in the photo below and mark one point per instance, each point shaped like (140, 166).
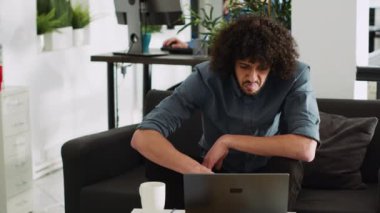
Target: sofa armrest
(92, 158)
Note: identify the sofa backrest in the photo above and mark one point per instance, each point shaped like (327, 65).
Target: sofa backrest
(359, 108)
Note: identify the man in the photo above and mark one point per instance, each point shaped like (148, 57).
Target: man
(258, 110)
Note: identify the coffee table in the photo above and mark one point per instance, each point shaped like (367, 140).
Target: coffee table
(164, 211)
(169, 211)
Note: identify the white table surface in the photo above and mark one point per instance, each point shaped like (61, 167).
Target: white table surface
(168, 211)
(164, 211)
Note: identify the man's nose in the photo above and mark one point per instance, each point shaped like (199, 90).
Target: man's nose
(253, 75)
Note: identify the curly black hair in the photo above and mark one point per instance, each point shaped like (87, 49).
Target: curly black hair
(258, 39)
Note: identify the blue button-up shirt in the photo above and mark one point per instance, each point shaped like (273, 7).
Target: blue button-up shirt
(280, 107)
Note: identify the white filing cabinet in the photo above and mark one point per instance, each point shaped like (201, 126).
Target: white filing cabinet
(15, 152)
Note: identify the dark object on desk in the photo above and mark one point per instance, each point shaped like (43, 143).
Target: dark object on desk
(151, 53)
(102, 172)
(173, 50)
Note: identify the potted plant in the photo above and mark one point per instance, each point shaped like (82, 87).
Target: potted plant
(279, 10)
(206, 20)
(211, 25)
(80, 22)
(146, 32)
(45, 24)
(62, 37)
(208, 25)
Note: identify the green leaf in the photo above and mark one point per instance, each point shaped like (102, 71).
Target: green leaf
(211, 10)
(184, 27)
(205, 13)
(43, 7)
(63, 12)
(46, 23)
(81, 16)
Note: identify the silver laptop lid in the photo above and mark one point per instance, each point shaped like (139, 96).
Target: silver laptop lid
(241, 193)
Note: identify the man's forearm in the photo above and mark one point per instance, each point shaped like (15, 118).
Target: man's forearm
(152, 145)
(291, 146)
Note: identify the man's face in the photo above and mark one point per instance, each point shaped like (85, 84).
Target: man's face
(251, 76)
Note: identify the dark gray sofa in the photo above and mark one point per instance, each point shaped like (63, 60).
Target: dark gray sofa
(102, 172)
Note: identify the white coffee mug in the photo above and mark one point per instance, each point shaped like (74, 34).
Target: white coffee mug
(152, 195)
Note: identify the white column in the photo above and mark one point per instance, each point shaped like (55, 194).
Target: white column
(332, 36)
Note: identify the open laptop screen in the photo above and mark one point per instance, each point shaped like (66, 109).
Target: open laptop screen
(259, 192)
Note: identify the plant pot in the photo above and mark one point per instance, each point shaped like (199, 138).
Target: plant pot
(40, 43)
(81, 36)
(61, 39)
(145, 42)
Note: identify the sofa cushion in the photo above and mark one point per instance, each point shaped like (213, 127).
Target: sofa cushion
(334, 201)
(343, 146)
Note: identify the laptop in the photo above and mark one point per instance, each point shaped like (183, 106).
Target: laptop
(240, 193)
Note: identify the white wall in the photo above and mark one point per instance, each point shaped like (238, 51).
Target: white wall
(332, 36)
(362, 46)
(68, 93)
(1, 22)
(374, 3)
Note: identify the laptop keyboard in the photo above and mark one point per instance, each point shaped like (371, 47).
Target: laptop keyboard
(183, 51)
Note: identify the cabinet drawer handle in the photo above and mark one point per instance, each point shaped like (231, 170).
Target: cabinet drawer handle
(21, 164)
(21, 183)
(18, 124)
(21, 202)
(14, 103)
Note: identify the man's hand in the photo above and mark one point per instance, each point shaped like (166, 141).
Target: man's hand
(201, 169)
(155, 147)
(175, 43)
(217, 153)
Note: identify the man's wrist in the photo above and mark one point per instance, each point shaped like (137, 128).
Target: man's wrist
(226, 141)
(191, 167)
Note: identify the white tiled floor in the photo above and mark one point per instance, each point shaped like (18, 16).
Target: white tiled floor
(48, 193)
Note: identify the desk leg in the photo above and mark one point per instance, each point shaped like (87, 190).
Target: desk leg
(371, 45)
(147, 79)
(111, 95)
(378, 90)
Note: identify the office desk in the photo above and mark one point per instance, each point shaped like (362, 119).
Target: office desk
(112, 59)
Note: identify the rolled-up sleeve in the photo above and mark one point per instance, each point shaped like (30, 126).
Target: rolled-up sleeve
(300, 112)
(167, 116)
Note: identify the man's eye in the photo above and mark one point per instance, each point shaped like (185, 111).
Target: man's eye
(263, 67)
(244, 66)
